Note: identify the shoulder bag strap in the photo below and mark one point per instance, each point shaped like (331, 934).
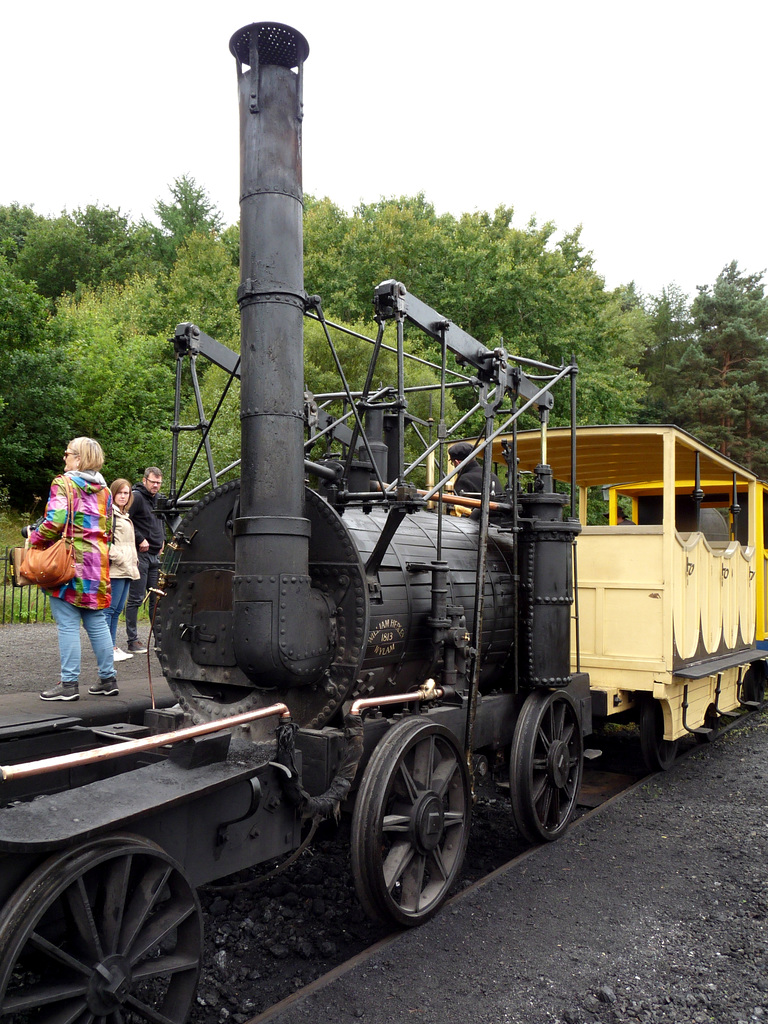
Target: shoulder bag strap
(69, 526)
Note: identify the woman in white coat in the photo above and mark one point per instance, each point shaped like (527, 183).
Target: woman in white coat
(123, 559)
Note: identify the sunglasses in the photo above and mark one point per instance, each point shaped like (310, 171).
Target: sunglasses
(67, 453)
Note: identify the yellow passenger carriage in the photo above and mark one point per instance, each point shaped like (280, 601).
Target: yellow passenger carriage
(670, 605)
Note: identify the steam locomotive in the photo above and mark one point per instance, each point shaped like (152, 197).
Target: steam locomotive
(336, 640)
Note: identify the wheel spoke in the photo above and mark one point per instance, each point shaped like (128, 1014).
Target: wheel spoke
(79, 904)
(409, 789)
(162, 966)
(56, 953)
(558, 720)
(413, 884)
(443, 775)
(423, 763)
(539, 785)
(115, 888)
(396, 823)
(143, 898)
(396, 861)
(44, 995)
(74, 1013)
(170, 917)
(146, 1012)
(544, 740)
(544, 802)
(454, 818)
(438, 868)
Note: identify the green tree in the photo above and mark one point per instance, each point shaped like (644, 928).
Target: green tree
(202, 287)
(722, 376)
(541, 298)
(15, 222)
(190, 211)
(88, 247)
(670, 332)
(37, 392)
(123, 375)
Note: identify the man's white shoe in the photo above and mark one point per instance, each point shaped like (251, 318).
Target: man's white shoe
(121, 655)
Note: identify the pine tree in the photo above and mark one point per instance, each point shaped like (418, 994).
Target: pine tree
(721, 381)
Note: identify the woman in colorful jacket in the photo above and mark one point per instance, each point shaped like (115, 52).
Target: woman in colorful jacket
(85, 597)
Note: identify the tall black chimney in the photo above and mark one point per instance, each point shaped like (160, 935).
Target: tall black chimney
(281, 625)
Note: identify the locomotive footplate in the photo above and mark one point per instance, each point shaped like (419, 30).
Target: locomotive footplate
(186, 812)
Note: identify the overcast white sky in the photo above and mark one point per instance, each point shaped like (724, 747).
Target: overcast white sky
(645, 122)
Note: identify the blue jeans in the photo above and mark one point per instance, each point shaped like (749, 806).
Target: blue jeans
(120, 588)
(68, 620)
(149, 574)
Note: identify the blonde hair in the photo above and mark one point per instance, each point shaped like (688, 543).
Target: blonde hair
(90, 452)
(118, 485)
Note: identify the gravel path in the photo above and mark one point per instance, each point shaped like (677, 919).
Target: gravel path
(653, 910)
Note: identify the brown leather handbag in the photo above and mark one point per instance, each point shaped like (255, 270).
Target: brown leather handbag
(55, 565)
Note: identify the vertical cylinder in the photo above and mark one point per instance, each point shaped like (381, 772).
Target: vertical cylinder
(271, 295)
(545, 553)
(280, 623)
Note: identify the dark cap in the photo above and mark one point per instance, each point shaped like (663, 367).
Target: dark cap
(458, 452)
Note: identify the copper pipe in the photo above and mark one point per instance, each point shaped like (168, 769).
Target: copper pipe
(426, 692)
(457, 499)
(52, 764)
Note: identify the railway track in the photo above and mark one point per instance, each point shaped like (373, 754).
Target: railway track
(275, 943)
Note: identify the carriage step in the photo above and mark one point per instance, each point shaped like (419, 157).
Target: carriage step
(702, 731)
(751, 704)
(730, 714)
(590, 754)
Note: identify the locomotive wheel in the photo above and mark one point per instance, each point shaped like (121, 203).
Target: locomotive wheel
(753, 688)
(410, 825)
(110, 931)
(545, 765)
(659, 754)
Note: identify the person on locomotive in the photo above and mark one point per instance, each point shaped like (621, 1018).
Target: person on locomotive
(150, 539)
(123, 559)
(469, 482)
(83, 599)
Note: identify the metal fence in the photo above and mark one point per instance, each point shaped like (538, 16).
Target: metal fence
(20, 604)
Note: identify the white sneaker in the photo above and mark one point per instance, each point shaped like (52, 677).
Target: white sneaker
(121, 655)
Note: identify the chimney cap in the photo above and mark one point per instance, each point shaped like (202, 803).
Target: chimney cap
(277, 44)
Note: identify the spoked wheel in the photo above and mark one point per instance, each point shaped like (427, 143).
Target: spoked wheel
(109, 932)
(410, 824)
(546, 765)
(659, 754)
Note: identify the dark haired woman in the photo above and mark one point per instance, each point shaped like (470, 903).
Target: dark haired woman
(123, 559)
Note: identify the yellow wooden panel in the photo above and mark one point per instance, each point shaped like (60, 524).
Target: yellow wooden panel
(633, 625)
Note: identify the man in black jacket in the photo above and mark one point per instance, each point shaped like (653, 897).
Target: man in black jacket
(150, 538)
(470, 480)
